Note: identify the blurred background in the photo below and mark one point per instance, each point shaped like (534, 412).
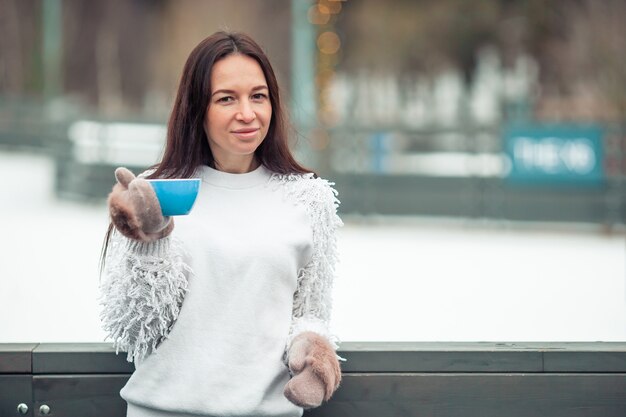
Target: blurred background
(478, 148)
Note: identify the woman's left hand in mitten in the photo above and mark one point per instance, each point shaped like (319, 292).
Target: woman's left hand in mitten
(315, 369)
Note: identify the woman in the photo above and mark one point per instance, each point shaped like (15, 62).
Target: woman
(224, 311)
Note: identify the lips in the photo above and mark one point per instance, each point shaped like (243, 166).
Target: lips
(246, 134)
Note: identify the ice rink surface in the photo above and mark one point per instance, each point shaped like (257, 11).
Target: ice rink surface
(398, 279)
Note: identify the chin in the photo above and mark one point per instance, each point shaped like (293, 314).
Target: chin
(246, 147)
(245, 150)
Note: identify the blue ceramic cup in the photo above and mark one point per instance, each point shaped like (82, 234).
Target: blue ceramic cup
(176, 196)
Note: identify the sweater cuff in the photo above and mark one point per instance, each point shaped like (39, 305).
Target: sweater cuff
(158, 248)
(309, 324)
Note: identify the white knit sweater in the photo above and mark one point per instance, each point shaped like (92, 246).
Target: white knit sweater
(208, 313)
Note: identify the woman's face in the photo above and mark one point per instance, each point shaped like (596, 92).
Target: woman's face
(239, 111)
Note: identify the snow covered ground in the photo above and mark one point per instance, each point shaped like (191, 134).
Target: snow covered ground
(399, 279)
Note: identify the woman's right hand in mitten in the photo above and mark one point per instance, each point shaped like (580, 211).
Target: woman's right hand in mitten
(135, 210)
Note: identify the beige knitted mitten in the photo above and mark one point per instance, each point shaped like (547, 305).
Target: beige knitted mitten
(135, 210)
(315, 367)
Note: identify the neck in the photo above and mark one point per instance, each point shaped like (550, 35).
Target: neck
(237, 167)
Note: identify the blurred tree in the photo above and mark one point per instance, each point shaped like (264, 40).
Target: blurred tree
(123, 58)
(20, 47)
(418, 36)
(11, 47)
(108, 48)
(597, 50)
(126, 56)
(579, 45)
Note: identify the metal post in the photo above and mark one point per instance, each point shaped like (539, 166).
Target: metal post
(52, 48)
(303, 52)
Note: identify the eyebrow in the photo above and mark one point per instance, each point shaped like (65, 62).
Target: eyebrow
(257, 88)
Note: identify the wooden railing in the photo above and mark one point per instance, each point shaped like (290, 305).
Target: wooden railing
(380, 380)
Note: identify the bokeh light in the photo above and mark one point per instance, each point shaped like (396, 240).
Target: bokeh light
(333, 6)
(328, 43)
(318, 14)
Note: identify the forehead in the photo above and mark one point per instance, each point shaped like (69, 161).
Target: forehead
(236, 72)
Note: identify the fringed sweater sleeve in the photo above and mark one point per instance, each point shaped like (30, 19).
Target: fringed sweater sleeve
(141, 293)
(312, 302)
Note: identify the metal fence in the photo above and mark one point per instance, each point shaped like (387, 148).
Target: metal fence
(456, 171)
(379, 379)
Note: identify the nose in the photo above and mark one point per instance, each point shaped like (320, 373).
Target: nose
(246, 114)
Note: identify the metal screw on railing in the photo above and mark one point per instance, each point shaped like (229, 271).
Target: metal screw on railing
(44, 409)
(22, 408)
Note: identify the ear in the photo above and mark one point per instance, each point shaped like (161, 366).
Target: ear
(124, 176)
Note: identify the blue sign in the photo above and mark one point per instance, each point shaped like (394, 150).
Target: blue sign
(555, 154)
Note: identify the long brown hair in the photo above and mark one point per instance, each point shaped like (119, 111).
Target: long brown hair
(187, 146)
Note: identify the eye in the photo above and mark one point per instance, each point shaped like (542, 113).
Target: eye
(259, 96)
(225, 99)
